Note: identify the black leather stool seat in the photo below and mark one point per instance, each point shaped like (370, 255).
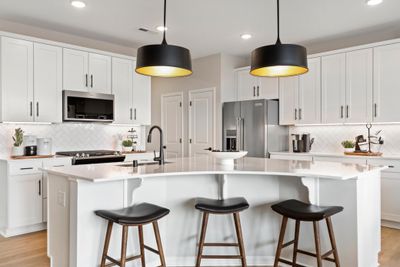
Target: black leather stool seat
(142, 213)
(298, 210)
(229, 205)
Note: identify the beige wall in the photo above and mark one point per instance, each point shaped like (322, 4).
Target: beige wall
(215, 71)
(37, 32)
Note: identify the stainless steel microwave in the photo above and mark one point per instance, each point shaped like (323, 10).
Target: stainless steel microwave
(88, 107)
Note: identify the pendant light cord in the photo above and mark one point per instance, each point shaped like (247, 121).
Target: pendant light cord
(165, 22)
(278, 41)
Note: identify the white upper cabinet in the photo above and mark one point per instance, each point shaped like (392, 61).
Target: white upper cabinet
(122, 85)
(309, 97)
(16, 80)
(75, 70)
(85, 71)
(250, 87)
(333, 88)
(47, 83)
(100, 73)
(141, 98)
(358, 86)
(288, 100)
(386, 93)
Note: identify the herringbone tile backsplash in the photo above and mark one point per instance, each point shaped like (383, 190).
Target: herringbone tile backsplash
(71, 136)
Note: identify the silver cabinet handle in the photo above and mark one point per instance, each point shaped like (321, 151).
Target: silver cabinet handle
(86, 83)
(341, 112)
(37, 109)
(130, 113)
(40, 187)
(258, 90)
(376, 110)
(299, 113)
(134, 113)
(254, 91)
(31, 108)
(26, 168)
(347, 111)
(91, 80)
(295, 114)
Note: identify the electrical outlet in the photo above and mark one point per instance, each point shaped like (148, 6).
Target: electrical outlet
(61, 198)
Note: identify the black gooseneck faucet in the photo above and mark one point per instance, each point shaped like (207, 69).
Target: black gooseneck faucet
(160, 157)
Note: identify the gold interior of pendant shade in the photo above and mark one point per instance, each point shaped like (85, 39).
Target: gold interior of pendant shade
(163, 71)
(279, 71)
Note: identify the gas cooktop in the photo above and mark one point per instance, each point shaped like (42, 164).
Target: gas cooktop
(93, 156)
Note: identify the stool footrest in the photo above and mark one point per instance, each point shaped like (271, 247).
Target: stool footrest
(324, 256)
(288, 244)
(152, 250)
(221, 256)
(221, 244)
(290, 263)
(115, 262)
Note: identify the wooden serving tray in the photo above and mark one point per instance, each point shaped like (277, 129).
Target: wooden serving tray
(32, 157)
(366, 154)
(133, 152)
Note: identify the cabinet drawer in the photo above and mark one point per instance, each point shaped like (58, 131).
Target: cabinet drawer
(293, 157)
(57, 162)
(352, 160)
(24, 167)
(394, 165)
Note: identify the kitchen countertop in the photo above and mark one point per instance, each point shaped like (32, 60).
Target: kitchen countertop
(324, 154)
(208, 165)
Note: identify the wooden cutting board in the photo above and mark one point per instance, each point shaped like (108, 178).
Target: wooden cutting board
(32, 157)
(366, 154)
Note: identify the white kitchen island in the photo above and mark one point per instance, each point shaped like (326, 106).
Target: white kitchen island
(76, 234)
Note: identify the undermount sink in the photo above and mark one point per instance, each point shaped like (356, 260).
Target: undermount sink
(129, 164)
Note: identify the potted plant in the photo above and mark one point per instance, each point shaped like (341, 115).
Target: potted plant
(18, 138)
(348, 146)
(127, 145)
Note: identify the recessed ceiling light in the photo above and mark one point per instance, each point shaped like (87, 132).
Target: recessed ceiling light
(161, 28)
(246, 36)
(374, 2)
(78, 4)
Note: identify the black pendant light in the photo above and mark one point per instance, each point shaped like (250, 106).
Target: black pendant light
(163, 60)
(279, 60)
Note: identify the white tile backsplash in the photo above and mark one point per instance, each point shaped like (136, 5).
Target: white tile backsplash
(72, 136)
(329, 137)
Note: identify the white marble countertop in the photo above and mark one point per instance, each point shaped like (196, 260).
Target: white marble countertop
(327, 154)
(208, 165)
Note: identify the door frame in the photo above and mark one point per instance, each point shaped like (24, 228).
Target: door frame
(191, 92)
(180, 94)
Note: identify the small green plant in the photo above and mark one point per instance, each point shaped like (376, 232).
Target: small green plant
(127, 143)
(18, 137)
(348, 144)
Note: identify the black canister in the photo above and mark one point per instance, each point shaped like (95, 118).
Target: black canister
(30, 150)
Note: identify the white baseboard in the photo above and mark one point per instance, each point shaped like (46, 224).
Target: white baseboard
(390, 224)
(9, 232)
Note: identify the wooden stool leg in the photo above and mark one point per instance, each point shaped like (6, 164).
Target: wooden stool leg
(317, 244)
(239, 235)
(141, 242)
(159, 244)
(296, 243)
(280, 241)
(202, 238)
(123, 245)
(106, 244)
(333, 241)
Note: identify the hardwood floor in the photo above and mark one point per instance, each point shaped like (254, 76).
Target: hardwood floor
(30, 250)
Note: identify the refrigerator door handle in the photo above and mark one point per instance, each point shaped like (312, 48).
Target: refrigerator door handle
(238, 133)
(241, 130)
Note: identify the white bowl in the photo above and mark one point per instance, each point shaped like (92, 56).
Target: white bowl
(228, 157)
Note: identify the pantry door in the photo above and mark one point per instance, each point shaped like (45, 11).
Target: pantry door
(201, 121)
(172, 124)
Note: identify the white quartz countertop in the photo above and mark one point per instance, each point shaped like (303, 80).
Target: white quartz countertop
(208, 165)
(342, 155)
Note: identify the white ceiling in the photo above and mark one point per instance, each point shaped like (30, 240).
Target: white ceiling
(206, 26)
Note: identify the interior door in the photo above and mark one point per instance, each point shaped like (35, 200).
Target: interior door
(172, 124)
(75, 70)
(253, 115)
(47, 83)
(100, 73)
(201, 121)
(17, 80)
(122, 88)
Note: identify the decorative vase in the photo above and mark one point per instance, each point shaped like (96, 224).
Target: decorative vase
(17, 151)
(126, 148)
(349, 150)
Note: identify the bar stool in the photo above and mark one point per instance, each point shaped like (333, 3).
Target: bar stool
(221, 207)
(300, 211)
(136, 215)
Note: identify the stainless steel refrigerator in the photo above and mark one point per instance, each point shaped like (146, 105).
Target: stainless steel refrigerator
(253, 126)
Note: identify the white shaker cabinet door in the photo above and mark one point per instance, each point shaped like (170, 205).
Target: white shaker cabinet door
(25, 200)
(359, 86)
(333, 88)
(16, 80)
(122, 84)
(386, 106)
(310, 93)
(269, 88)
(75, 70)
(288, 100)
(247, 85)
(141, 99)
(99, 73)
(47, 83)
